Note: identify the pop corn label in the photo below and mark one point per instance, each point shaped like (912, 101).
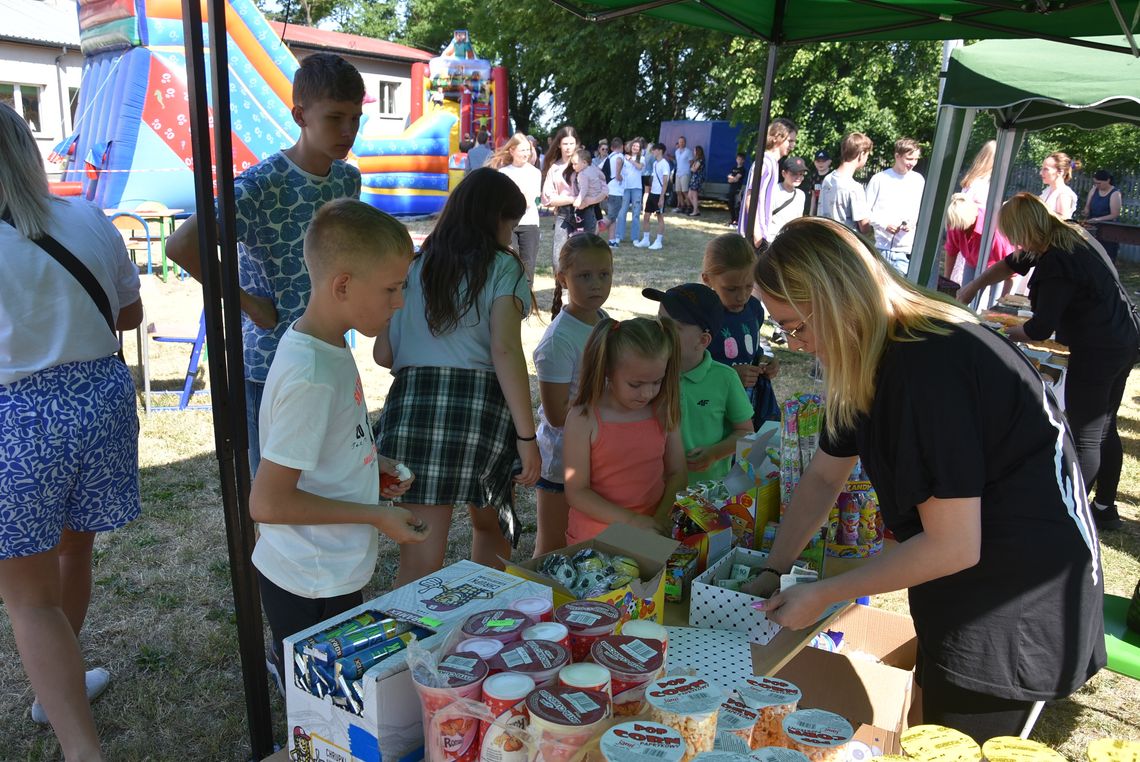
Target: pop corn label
(642, 742)
(684, 695)
(815, 727)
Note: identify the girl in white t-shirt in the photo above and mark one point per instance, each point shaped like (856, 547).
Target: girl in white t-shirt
(459, 412)
(585, 271)
(514, 161)
(1056, 171)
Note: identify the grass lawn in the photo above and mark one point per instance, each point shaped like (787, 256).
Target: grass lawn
(161, 614)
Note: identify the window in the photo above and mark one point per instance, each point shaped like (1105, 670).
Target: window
(24, 100)
(387, 98)
(73, 100)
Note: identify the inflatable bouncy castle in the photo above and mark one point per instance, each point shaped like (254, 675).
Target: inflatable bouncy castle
(132, 130)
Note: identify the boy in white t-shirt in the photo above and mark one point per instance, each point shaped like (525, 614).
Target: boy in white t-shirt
(659, 185)
(317, 492)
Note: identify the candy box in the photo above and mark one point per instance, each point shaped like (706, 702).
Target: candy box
(379, 721)
(643, 598)
(680, 570)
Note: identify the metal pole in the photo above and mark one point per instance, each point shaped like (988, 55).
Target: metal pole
(761, 142)
(223, 333)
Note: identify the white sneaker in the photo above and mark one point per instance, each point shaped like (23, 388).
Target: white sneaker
(97, 681)
(642, 243)
(657, 244)
(613, 243)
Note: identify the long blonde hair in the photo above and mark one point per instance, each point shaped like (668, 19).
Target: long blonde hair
(645, 337)
(983, 165)
(1028, 223)
(502, 157)
(859, 304)
(23, 182)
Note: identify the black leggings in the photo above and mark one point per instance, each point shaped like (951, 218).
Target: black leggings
(977, 715)
(288, 614)
(1093, 391)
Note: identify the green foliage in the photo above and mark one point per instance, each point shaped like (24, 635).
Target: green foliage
(1112, 148)
(371, 18)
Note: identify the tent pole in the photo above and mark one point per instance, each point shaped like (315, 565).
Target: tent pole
(761, 141)
(223, 331)
(951, 135)
(1003, 159)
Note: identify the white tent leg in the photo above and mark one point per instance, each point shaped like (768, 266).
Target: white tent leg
(1003, 158)
(951, 135)
(1033, 715)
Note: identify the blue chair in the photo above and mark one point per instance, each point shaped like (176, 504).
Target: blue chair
(197, 344)
(137, 233)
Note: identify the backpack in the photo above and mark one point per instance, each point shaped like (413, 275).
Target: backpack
(607, 168)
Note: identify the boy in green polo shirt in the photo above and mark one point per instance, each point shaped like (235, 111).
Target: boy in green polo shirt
(715, 410)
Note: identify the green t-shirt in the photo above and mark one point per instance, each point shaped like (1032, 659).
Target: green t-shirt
(713, 401)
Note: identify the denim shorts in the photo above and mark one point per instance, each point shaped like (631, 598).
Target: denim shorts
(548, 486)
(69, 438)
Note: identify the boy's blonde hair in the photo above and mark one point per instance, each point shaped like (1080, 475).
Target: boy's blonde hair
(728, 252)
(859, 304)
(961, 213)
(645, 337)
(349, 235)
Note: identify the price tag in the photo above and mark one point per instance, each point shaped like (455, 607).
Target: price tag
(429, 622)
(500, 623)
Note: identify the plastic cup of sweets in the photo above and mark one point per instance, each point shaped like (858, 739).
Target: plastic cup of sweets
(642, 742)
(485, 647)
(586, 675)
(505, 696)
(633, 664)
(538, 659)
(499, 624)
(822, 736)
(461, 676)
(779, 754)
(773, 699)
(587, 621)
(690, 706)
(738, 719)
(538, 609)
(552, 631)
(564, 719)
(643, 628)
(936, 744)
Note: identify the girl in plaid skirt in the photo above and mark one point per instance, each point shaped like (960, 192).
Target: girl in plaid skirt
(459, 412)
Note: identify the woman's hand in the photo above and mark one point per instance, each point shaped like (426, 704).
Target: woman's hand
(797, 607)
(967, 293)
(531, 462)
(260, 310)
(762, 586)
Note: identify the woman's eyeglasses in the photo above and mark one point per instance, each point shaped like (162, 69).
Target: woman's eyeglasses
(794, 333)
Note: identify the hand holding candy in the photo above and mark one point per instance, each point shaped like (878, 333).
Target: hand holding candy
(395, 478)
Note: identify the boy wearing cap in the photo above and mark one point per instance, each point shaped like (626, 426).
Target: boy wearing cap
(715, 409)
(822, 168)
(788, 199)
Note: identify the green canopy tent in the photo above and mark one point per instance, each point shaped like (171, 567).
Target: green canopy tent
(1018, 81)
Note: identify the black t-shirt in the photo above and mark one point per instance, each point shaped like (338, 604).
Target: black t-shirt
(1078, 295)
(966, 415)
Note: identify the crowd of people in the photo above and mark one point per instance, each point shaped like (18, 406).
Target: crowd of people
(976, 470)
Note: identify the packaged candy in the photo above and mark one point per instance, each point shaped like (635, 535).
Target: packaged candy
(505, 696)
(822, 736)
(934, 743)
(589, 676)
(484, 647)
(499, 624)
(1113, 750)
(680, 570)
(563, 719)
(633, 663)
(773, 699)
(537, 609)
(689, 705)
(553, 631)
(587, 621)
(738, 719)
(1014, 749)
(354, 666)
(459, 675)
(558, 567)
(352, 625)
(643, 628)
(538, 659)
(358, 639)
(642, 741)
(590, 573)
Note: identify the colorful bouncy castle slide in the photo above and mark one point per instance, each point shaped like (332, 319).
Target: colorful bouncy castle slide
(132, 138)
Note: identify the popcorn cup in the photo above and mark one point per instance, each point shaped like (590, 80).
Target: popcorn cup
(463, 675)
(499, 624)
(773, 699)
(779, 754)
(633, 663)
(689, 705)
(644, 628)
(505, 696)
(552, 631)
(719, 755)
(538, 609)
(738, 719)
(587, 621)
(586, 675)
(564, 719)
(821, 736)
(539, 659)
(642, 742)
(484, 647)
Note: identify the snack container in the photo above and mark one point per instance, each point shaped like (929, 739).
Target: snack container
(822, 736)
(563, 719)
(505, 696)
(586, 675)
(779, 754)
(548, 631)
(538, 609)
(499, 624)
(539, 659)
(722, 756)
(633, 664)
(934, 743)
(485, 647)
(773, 699)
(642, 742)
(644, 628)
(463, 675)
(1014, 749)
(738, 719)
(1113, 750)
(587, 621)
(689, 705)
(727, 741)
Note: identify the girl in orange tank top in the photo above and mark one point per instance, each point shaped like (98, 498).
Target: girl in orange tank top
(622, 449)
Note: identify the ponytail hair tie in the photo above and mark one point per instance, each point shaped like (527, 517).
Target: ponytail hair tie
(615, 326)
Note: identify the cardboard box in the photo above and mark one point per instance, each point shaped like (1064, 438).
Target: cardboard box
(389, 725)
(680, 570)
(874, 697)
(718, 608)
(644, 599)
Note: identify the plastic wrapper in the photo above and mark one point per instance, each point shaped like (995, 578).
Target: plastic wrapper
(633, 663)
(641, 741)
(505, 698)
(773, 699)
(442, 683)
(739, 719)
(590, 573)
(540, 660)
(690, 706)
(587, 621)
(821, 736)
(563, 720)
(855, 526)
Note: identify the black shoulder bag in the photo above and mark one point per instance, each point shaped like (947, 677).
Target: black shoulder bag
(78, 270)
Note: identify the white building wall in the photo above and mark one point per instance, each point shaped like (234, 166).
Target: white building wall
(55, 71)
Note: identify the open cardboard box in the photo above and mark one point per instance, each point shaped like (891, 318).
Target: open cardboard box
(875, 697)
(641, 599)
